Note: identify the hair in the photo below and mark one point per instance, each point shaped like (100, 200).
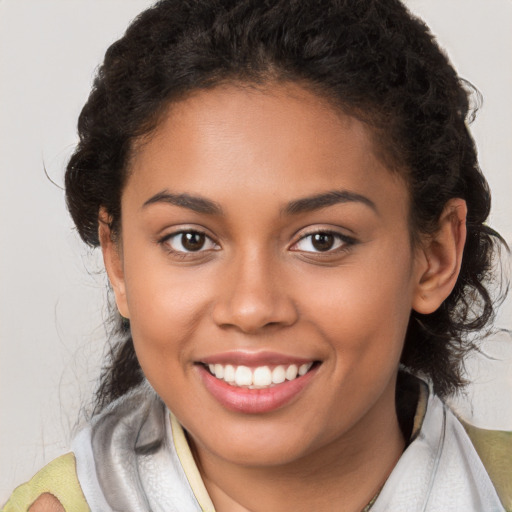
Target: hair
(370, 57)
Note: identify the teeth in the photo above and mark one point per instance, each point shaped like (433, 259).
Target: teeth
(304, 368)
(260, 377)
(278, 375)
(291, 372)
(219, 371)
(229, 373)
(243, 376)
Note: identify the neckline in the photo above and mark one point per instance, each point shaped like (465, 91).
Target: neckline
(409, 388)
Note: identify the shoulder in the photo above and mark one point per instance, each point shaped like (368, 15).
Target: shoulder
(494, 447)
(451, 468)
(53, 489)
(47, 503)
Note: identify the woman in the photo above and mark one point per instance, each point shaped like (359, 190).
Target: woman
(290, 209)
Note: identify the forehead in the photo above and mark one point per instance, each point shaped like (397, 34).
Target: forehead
(281, 141)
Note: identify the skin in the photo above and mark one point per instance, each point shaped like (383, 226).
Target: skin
(46, 503)
(258, 284)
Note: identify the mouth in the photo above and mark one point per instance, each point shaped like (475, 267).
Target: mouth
(261, 377)
(253, 388)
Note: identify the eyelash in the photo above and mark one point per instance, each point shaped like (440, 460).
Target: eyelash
(342, 243)
(167, 240)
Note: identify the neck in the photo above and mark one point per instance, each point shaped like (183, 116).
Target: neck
(342, 476)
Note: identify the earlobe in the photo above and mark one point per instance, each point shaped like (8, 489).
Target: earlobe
(112, 259)
(440, 258)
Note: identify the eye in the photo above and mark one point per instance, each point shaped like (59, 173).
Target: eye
(189, 241)
(322, 241)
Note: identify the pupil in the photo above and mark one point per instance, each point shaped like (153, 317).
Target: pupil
(323, 241)
(192, 241)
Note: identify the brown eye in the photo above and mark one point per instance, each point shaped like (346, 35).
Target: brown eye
(322, 241)
(189, 241)
(193, 241)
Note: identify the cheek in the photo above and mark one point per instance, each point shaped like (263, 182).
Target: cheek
(166, 306)
(363, 308)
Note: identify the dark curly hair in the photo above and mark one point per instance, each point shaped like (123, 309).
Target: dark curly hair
(372, 58)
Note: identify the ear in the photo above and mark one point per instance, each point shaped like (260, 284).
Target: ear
(440, 258)
(112, 258)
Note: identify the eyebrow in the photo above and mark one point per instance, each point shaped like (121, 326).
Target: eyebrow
(306, 204)
(319, 201)
(195, 203)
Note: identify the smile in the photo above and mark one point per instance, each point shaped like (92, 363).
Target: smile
(256, 384)
(260, 377)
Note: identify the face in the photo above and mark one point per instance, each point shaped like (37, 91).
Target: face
(266, 267)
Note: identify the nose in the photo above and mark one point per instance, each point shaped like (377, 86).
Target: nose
(254, 296)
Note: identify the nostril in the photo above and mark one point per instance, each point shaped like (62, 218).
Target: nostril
(252, 313)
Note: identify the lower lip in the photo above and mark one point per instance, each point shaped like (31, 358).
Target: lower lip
(254, 401)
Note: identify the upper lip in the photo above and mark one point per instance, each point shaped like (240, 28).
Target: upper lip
(254, 359)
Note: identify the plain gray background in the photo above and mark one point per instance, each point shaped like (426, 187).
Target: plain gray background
(52, 289)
